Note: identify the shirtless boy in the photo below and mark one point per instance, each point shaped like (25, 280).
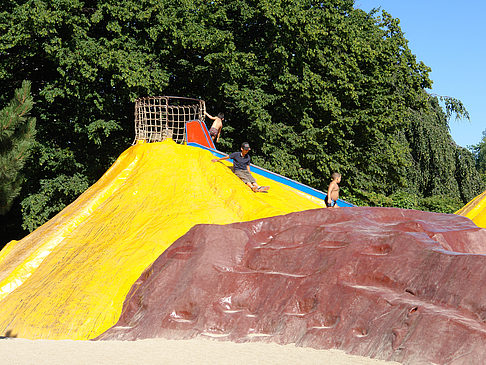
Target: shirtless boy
(333, 191)
(215, 129)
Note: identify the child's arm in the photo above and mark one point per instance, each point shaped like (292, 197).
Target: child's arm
(329, 191)
(219, 159)
(210, 117)
(219, 132)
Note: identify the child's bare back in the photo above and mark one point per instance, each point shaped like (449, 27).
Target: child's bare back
(216, 127)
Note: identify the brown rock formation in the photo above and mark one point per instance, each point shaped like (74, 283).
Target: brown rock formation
(388, 283)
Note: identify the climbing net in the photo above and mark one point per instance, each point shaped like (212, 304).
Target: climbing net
(161, 117)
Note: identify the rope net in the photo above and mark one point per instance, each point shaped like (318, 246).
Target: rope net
(161, 117)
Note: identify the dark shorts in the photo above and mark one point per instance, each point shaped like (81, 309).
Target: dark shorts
(213, 132)
(329, 203)
(245, 176)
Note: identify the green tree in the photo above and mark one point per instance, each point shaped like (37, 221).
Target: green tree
(88, 62)
(434, 155)
(17, 131)
(318, 85)
(479, 152)
(441, 175)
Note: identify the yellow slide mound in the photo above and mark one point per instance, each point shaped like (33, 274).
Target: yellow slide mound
(69, 278)
(475, 210)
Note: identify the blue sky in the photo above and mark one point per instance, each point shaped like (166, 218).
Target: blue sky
(449, 37)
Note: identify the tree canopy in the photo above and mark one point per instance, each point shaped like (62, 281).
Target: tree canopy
(316, 86)
(479, 152)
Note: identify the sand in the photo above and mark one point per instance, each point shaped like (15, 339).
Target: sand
(160, 351)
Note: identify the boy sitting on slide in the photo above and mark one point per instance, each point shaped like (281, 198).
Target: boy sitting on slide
(241, 167)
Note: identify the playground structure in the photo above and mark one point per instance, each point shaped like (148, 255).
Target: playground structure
(69, 278)
(90, 254)
(161, 117)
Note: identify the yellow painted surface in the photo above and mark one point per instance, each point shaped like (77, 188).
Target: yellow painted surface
(475, 210)
(68, 279)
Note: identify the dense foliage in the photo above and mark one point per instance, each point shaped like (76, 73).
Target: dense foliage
(315, 86)
(479, 152)
(17, 131)
(441, 176)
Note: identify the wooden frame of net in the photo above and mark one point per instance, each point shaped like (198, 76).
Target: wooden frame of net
(161, 117)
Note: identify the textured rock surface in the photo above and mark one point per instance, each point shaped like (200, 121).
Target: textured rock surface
(381, 282)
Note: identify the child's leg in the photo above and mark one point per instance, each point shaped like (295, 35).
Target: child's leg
(254, 186)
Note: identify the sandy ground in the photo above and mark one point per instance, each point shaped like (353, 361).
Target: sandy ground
(160, 351)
